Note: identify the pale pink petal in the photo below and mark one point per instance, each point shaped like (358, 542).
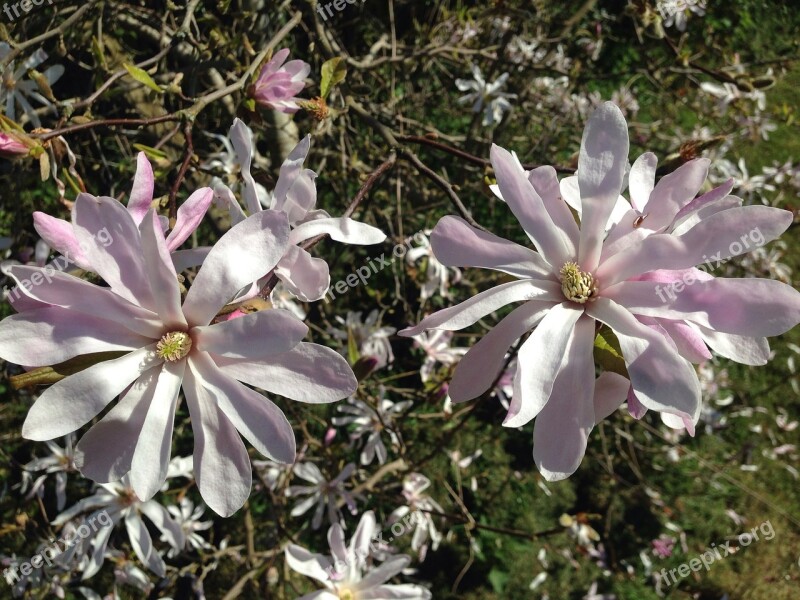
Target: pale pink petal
(190, 214)
(482, 304)
(256, 417)
(635, 408)
(545, 181)
(301, 197)
(663, 380)
(142, 544)
(610, 391)
(110, 239)
(119, 429)
(311, 565)
(689, 343)
(83, 297)
(539, 361)
(242, 140)
(142, 191)
(674, 191)
(562, 427)
(716, 238)
(642, 179)
(710, 208)
(718, 193)
(188, 259)
(221, 463)
(245, 253)
(721, 304)
(601, 168)
(48, 336)
(340, 229)
(307, 373)
(456, 243)
(161, 273)
(363, 535)
(479, 368)
(251, 336)
(151, 456)
(60, 236)
(290, 169)
(745, 350)
(384, 572)
(72, 402)
(303, 275)
(678, 422)
(527, 206)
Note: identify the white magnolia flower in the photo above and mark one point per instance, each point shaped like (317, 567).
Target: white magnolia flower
(16, 90)
(372, 422)
(485, 96)
(111, 504)
(436, 345)
(369, 337)
(187, 516)
(60, 462)
(437, 276)
(419, 503)
(676, 12)
(350, 573)
(321, 493)
(728, 93)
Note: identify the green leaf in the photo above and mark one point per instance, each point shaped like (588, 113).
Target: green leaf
(352, 348)
(607, 353)
(333, 72)
(498, 580)
(142, 76)
(151, 153)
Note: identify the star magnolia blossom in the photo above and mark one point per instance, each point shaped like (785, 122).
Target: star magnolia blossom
(295, 195)
(278, 84)
(168, 345)
(349, 573)
(576, 279)
(61, 236)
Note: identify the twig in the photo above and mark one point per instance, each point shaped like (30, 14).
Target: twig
(187, 158)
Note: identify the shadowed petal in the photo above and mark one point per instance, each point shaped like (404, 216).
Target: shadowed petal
(746, 350)
(306, 277)
(456, 243)
(142, 191)
(478, 369)
(610, 391)
(245, 253)
(161, 273)
(221, 463)
(256, 417)
(562, 427)
(190, 213)
(307, 373)
(601, 168)
(72, 402)
(545, 181)
(252, 336)
(539, 361)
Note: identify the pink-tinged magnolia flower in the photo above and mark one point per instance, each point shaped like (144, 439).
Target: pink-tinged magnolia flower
(295, 195)
(62, 237)
(278, 84)
(350, 573)
(576, 279)
(11, 147)
(436, 345)
(168, 345)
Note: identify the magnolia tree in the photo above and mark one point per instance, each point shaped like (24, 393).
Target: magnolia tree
(221, 224)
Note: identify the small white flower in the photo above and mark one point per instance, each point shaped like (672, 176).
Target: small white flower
(485, 96)
(16, 90)
(322, 493)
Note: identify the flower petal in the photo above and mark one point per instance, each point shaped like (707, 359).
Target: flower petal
(341, 229)
(610, 391)
(745, 350)
(527, 206)
(161, 273)
(456, 243)
(151, 456)
(221, 464)
(545, 181)
(663, 380)
(642, 180)
(51, 335)
(256, 417)
(482, 304)
(311, 565)
(72, 402)
(190, 213)
(245, 253)
(252, 336)
(142, 191)
(674, 191)
(60, 236)
(601, 168)
(480, 366)
(307, 373)
(539, 361)
(306, 277)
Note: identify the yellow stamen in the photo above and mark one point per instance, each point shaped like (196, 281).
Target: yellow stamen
(577, 285)
(174, 346)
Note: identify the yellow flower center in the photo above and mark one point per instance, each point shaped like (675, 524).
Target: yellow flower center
(346, 594)
(577, 285)
(174, 346)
